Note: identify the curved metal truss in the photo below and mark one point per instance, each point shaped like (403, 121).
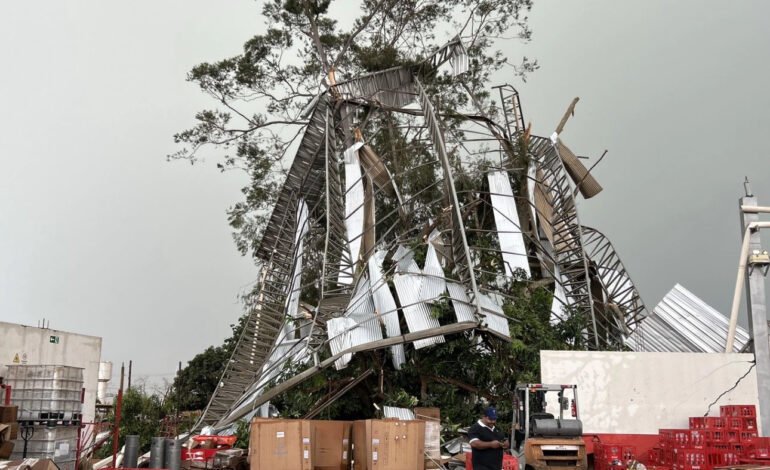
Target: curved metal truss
(393, 209)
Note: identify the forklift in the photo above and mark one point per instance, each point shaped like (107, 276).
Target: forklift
(540, 439)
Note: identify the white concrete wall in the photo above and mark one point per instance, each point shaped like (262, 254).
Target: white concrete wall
(32, 345)
(639, 393)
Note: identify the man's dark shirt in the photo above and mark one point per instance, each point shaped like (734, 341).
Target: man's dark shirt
(486, 459)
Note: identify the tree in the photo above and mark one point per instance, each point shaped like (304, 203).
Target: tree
(260, 94)
(141, 414)
(196, 382)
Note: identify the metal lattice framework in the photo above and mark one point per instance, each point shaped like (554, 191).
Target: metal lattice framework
(390, 207)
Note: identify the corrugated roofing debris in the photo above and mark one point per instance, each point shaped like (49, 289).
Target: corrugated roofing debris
(512, 246)
(682, 322)
(404, 414)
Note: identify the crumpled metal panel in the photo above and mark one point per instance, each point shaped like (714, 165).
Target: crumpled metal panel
(338, 330)
(403, 258)
(359, 325)
(385, 306)
(416, 312)
(433, 282)
(354, 210)
(462, 304)
(494, 316)
(393, 87)
(292, 306)
(507, 222)
(682, 322)
(404, 414)
(361, 310)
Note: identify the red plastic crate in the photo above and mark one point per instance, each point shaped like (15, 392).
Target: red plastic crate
(747, 435)
(510, 462)
(654, 455)
(715, 436)
(721, 457)
(738, 411)
(697, 439)
(707, 422)
(691, 459)
(757, 448)
(741, 424)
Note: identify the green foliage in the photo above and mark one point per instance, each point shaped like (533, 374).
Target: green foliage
(196, 382)
(141, 414)
(259, 94)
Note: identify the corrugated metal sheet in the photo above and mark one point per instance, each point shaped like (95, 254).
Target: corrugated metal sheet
(682, 322)
(361, 310)
(354, 210)
(403, 258)
(461, 302)
(433, 281)
(296, 283)
(404, 414)
(494, 316)
(338, 330)
(385, 306)
(507, 223)
(416, 312)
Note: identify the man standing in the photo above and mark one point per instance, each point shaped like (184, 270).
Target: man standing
(487, 442)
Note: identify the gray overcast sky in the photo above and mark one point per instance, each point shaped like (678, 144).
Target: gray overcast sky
(99, 234)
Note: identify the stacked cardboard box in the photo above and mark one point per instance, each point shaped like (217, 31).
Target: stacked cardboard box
(388, 444)
(432, 418)
(9, 429)
(299, 444)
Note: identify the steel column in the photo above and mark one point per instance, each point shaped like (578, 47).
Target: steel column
(757, 312)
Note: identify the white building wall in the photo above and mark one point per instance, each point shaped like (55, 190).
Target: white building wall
(31, 344)
(639, 393)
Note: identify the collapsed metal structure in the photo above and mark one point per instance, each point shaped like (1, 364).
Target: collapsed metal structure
(392, 206)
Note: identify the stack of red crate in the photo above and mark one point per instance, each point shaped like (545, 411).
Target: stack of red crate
(711, 442)
(612, 457)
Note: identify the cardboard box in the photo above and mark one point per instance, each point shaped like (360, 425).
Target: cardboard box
(432, 418)
(388, 444)
(14, 431)
(276, 444)
(6, 449)
(331, 444)
(8, 413)
(299, 444)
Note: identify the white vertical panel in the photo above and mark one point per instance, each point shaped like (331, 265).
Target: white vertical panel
(354, 209)
(461, 302)
(494, 316)
(292, 305)
(338, 330)
(507, 223)
(433, 282)
(416, 312)
(559, 297)
(385, 306)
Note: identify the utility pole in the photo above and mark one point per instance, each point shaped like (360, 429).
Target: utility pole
(130, 363)
(756, 306)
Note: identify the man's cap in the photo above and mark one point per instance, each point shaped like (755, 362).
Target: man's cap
(491, 413)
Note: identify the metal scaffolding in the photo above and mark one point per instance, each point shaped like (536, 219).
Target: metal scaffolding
(394, 204)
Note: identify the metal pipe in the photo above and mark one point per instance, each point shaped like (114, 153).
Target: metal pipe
(116, 431)
(131, 453)
(756, 209)
(156, 452)
(739, 280)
